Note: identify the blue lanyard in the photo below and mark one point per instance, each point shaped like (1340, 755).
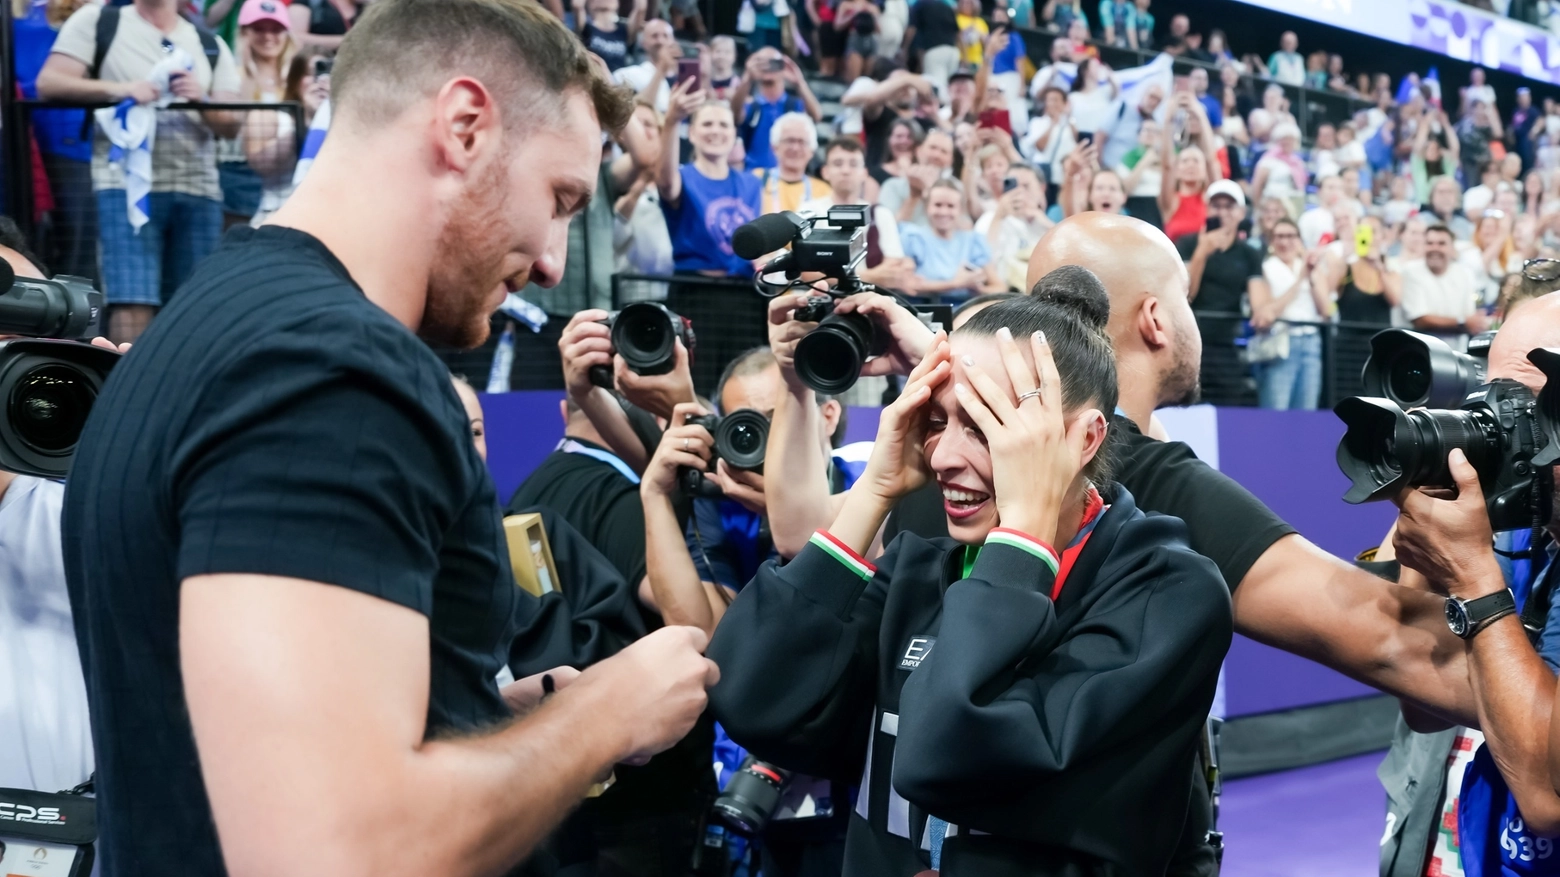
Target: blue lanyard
(570, 446)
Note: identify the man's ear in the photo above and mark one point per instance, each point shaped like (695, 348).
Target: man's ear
(832, 411)
(466, 123)
(1151, 324)
(563, 412)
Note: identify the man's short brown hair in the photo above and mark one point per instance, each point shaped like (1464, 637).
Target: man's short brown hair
(849, 144)
(402, 51)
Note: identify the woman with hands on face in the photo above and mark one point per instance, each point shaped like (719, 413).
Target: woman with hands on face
(1032, 689)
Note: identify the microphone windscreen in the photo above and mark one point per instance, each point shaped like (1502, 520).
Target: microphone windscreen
(766, 234)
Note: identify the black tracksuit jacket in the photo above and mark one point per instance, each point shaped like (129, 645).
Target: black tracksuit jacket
(1056, 737)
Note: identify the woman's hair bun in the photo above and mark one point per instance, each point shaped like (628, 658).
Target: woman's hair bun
(1079, 291)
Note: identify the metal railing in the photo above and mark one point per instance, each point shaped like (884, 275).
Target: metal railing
(1226, 336)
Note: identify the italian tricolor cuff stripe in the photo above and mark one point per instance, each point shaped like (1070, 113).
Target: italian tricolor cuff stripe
(842, 553)
(1027, 543)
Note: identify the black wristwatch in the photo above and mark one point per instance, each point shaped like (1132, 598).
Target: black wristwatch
(1468, 617)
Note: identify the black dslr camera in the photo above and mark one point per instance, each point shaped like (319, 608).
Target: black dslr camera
(1394, 440)
(645, 334)
(741, 438)
(829, 358)
(751, 795)
(49, 380)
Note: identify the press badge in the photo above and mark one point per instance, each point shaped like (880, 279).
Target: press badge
(23, 858)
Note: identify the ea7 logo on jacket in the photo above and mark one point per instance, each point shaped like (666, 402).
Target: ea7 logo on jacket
(918, 650)
(10, 812)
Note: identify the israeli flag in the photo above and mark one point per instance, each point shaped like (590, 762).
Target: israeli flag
(131, 130)
(312, 142)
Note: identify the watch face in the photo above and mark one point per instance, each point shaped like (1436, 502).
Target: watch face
(1457, 617)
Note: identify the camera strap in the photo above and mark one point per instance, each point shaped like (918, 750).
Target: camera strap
(570, 446)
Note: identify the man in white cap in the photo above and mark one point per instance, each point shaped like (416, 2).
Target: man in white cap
(1223, 269)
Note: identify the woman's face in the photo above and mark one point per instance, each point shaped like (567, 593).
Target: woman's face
(1055, 103)
(1190, 166)
(267, 39)
(901, 141)
(1445, 197)
(1290, 144)
(1106, 194)
(1326, 137)
(956, 449)
(1272, 212)
(1488, 231)
(994, 168)
(1413, 239)
(1148, 133)
(644, 117)
(1229, 75)
(942, 209)
(1432, 149)
(712, 131)
(1286, 241)
(964, 137)
(1273, 98)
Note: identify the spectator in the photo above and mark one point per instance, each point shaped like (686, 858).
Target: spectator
(1015, 223)
(845, 170)
(1219, 50)
(773, 72)
(794, 139)
(649, 78)
(264, 56)
(1098, 189)
(1006, 55)
(1268, 215)
(1316, 224)
(72, 242)
(1142, 170)
(1197, 80)
(1222, 270)
(1322, 162)
(323, 23)
(829, 40)
(1435, 153)
(1476, 199)
(1273, 114)
(604, 33)
(883, 105)
(983, 179)
(723, 67)
(1476, 91)
(1050, 139)
(1119, 24)
(1285, 65)
(1058, 15)
(1285, 308)
(1077, 40)
(1178, 39)
(143, 266)
(933, 37)
(1350, 154)
(1121, 134)
(1439, 295)
(1367, 291)
(1316, 71)
(1410, 243)
(270, 140)
(704, 200)
(1145, 25)
(1445, 207)
(1337, 80)
(1491, 255)
(858, 19)
(904, 138)
(1281, 170)
(1475, 134)
(906, 195)
(640, 241)
(950, 262)
(1519, 136)
(959, 107)
(768, 25)
(972, 33)
(1187, 176)
(1401, 203)
(1093, 97)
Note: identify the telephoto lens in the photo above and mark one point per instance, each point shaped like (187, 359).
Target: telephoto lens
(752, 795)
(645, 334)
(741, 439)
(47, 388)
(830, 357)
(65, 307)
(1419, 371)
(1386, 449)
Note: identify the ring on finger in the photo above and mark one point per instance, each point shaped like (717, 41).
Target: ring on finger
(685, 444)
(1032, 394)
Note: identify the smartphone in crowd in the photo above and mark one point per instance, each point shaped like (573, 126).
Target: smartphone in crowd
(996, 118)
(1213, 223)
(776, 65)
(1085, 138)
(322, 67)
(1009, 184)
(688, 68)
(1364, 236)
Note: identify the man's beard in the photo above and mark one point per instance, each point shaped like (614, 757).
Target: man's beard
(1182, 385)
(457, 311)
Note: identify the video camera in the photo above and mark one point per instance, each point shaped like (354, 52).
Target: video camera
(48, 380)
(829, 358)
(645, 334)
(1424, 399)
(741, 439)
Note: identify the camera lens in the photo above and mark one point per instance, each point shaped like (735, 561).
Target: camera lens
(742, 439)
(830, 357)
(49, 406)
(646, 337)
(1409, 377)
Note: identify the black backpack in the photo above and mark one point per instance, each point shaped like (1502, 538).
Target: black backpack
(108, 25)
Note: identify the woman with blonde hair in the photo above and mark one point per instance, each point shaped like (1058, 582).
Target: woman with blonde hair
(1492, 254)
(1188, 174)
(264, 51)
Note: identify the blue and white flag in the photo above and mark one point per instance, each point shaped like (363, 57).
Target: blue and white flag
(131, 130)
(312, 142)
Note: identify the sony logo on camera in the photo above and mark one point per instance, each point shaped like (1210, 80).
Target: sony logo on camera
(12, 812)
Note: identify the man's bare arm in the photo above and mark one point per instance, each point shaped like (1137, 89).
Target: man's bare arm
(303, 692)
(1301, 599)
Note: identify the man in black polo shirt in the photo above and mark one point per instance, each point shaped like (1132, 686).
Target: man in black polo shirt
(1223, 268)
(290, 583)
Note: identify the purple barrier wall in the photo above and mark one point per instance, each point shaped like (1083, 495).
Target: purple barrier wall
(1284, 457)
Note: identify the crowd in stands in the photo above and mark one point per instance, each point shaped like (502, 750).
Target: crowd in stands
(1416, 209)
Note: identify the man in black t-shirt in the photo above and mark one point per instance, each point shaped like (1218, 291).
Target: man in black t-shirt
(1223, 268)
(290, 582)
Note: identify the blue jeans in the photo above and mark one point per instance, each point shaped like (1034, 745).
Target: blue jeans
(145, 268)
(1294, 382)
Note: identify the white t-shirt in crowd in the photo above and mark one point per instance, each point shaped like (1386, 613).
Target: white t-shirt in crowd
(1092, 110)
(1315, 224)
(1452, 294)
(882, 219)
(1054, 151)
(45, 738)
(1014, 238)
(848, 121)
(1302, 308)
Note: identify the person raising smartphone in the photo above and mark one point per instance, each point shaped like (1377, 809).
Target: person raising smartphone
(1008, 708)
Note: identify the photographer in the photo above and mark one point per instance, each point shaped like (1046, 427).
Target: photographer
(1012, 436)
(1498, 795)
